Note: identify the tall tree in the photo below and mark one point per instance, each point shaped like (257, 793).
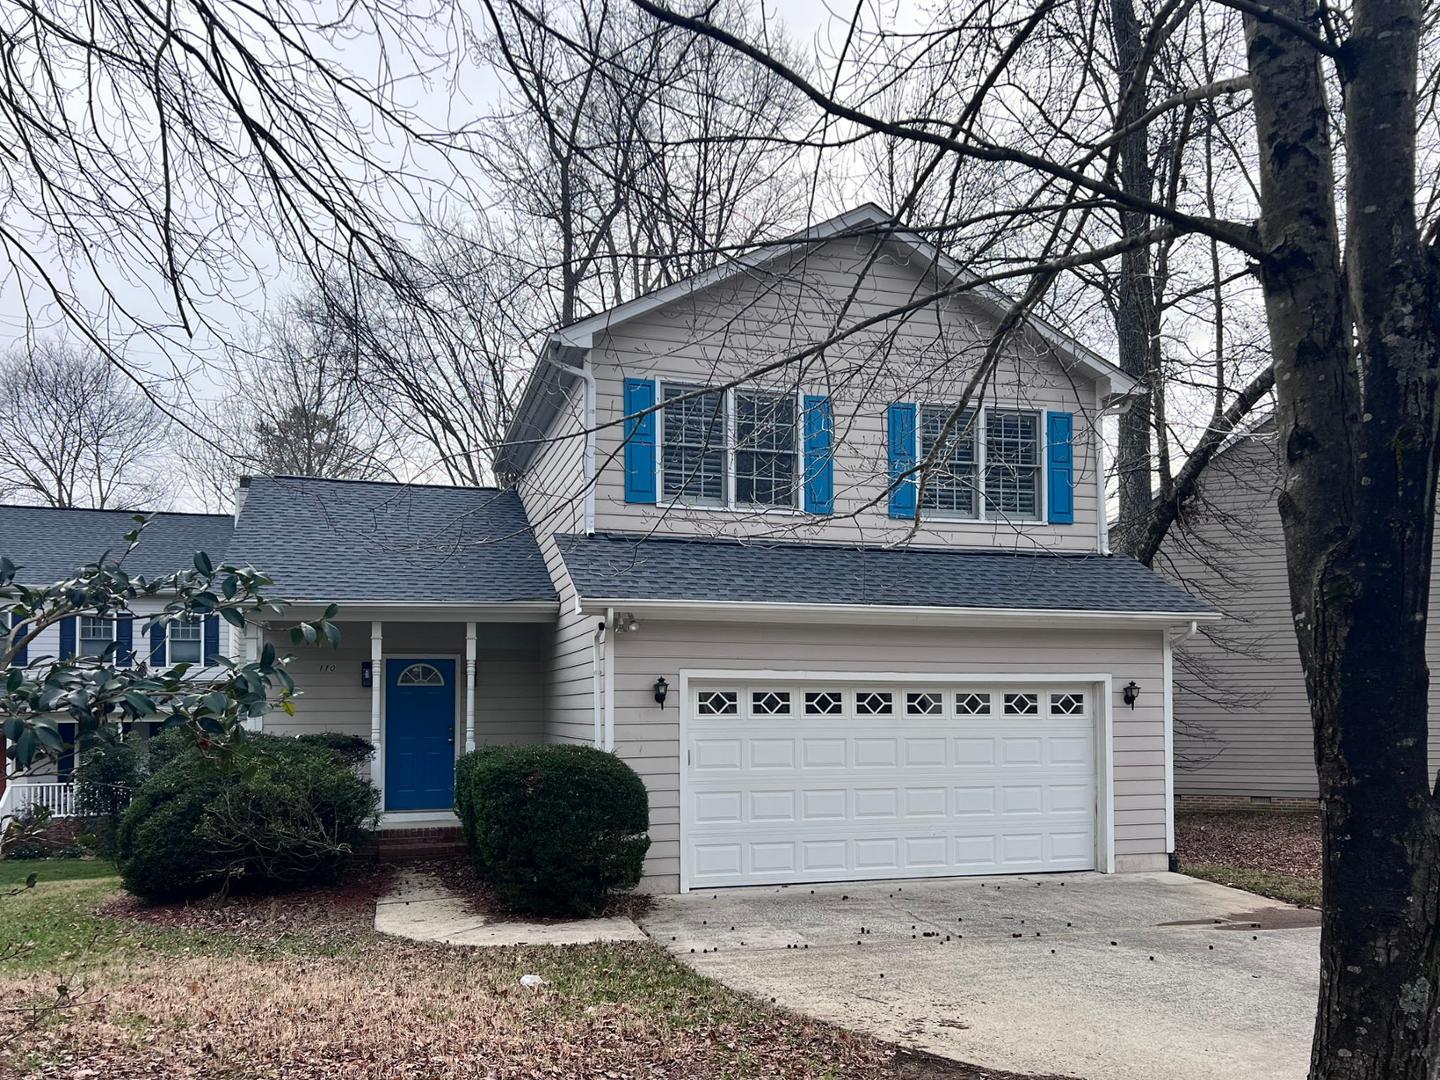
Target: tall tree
(77, 431)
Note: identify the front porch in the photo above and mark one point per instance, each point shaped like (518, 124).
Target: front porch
(423, 688)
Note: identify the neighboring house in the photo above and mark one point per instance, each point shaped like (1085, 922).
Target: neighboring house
(1243, 730)
(716, 577)
(49, 545)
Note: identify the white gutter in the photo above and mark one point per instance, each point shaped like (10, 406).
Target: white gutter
(587, 377)
(890, 614)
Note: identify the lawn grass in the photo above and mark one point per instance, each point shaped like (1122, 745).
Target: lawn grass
(1290, 888)
(230, 990)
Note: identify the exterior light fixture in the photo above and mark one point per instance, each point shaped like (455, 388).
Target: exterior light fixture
(1131, 690)
(662, 688)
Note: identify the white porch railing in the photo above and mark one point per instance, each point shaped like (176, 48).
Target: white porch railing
(59, 799)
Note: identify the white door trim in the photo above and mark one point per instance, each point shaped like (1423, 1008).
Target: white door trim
(1104, 730)
(384, 676)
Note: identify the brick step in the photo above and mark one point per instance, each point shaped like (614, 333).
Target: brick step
(397, 845)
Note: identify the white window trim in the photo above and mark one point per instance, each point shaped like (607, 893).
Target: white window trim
(984, 512)
(170, 661)
(730, 505)
(80, 637)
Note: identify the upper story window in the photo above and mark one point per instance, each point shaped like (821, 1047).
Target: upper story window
(950, 486)
(97, 633)
(185, 640)
(1003, 447)
(1012, 462)
(733, 448)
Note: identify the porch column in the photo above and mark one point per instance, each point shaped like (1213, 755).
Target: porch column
(377, 682)
(469, 687)
(252, 641)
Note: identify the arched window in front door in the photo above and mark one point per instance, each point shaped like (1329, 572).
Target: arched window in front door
(420, 675)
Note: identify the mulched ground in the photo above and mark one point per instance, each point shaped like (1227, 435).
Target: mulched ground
(333, 912)
(1278, 842)
(458, 874)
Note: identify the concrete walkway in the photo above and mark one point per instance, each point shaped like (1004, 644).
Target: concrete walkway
(421, 908)
(1106, 977)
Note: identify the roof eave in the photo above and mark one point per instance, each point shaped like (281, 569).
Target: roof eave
(895, 614)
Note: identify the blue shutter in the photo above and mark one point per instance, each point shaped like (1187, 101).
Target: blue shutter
(125, 639)
(900, 433)
(1060, 461)
(639, 441)
(819, 461)
(157, 645)
(67, 637)
(22, 655)
(212, 639)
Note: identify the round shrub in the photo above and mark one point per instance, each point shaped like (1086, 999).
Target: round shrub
(273, 812)
(554, 829)
(108, 775)
(354, 750)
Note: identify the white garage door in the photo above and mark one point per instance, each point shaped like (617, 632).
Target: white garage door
(813, 781)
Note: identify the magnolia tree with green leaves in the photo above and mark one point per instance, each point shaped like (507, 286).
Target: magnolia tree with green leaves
(98, 694)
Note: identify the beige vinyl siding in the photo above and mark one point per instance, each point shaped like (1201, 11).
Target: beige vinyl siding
(648, 737)
(1242, 718)
(509, 678)
(553, 490)
(723, 333)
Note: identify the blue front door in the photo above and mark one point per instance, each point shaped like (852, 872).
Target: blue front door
(419, 734)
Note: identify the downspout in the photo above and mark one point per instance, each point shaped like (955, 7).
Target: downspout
(609, 661)
(597, 650)
(1112, 405)
(587, 378)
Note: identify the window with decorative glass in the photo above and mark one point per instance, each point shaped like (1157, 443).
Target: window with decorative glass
(186, 640)
(97, 633)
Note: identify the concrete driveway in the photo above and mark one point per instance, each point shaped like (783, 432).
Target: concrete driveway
(1123, 977)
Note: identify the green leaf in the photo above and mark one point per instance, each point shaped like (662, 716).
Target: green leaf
(233, 617)
(203, 563)
(332, 634)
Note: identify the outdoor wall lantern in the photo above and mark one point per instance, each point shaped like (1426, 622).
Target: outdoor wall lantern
(662, 688)
(1131, 690)
(366, 674)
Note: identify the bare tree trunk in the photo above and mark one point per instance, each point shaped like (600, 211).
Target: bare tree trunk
(1356, 345)
(1135, 315)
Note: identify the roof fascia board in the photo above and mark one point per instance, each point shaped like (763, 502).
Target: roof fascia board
(894, 615)
(436, 611)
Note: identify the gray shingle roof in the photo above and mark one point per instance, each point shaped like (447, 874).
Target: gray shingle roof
(611, 566)
(348, 540)
(49, 544)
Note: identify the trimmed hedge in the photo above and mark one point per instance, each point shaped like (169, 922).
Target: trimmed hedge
(272, 812)
(555, 830)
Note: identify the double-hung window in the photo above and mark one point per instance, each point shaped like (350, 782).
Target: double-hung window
(97, 633)
(185, 640)
(766, 466)
(693, 442)
(1012, 463)
(736, 448)
(987, 467)
(949, 487)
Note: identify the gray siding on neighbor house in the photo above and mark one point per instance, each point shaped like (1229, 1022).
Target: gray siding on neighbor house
(1242, 719)
(509, 678)
(553, 490)
(648, 737)
(730, 329)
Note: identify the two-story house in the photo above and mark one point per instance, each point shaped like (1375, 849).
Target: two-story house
(714, 551)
